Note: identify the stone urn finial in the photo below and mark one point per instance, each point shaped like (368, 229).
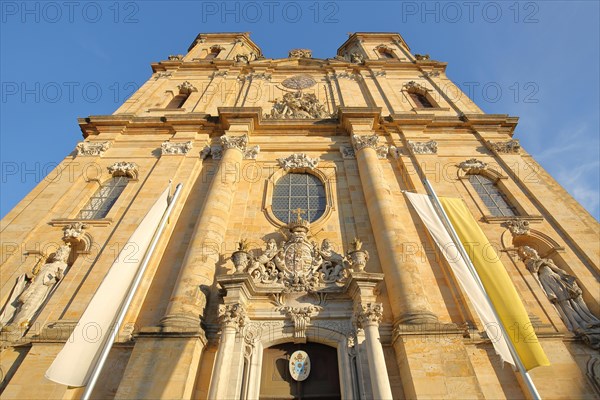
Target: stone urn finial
(241, 257)
(357, 257)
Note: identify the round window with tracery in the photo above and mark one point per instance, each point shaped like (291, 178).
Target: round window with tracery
(298, 191)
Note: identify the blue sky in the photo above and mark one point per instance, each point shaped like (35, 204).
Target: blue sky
(535, 60)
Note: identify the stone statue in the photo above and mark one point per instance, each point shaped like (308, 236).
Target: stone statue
(41, 284)
(357, 58)
(298, 105)
(563, 291)
(333, 264)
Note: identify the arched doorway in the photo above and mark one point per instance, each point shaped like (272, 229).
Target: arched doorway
(322, 383)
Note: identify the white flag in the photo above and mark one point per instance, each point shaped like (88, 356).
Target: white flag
(436, 228)
(75, 362)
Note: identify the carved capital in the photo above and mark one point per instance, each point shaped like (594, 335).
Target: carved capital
(429, 147)
(175, 148)
(235, 142)
(92, 148)
(124, 168)
(509, 147)
(472, 166)
(369, 141)
(298, 160)
(368, 314)
(232, 315)
(517, 226)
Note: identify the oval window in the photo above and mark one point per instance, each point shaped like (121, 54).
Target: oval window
(298, 191)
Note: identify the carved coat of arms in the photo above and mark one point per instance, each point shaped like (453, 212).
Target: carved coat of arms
(297, 264)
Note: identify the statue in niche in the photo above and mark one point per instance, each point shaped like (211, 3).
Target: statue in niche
(26, 304)
(563, 291)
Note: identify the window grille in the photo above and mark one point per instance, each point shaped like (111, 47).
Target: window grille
(104, 198)
(298, 191)
(494, 199)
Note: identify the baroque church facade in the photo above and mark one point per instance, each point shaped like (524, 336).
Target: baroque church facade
(292, 240)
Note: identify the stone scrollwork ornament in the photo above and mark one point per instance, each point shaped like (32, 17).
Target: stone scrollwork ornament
(124, 168)
(92, 148)
(473, 166)
(176, 148)
(74, 231)
(300, 53)
(298, 160)
(562, 291)
(186, 88)
(429, 147)
(517, 226)
(235, 142)
(510, 147)
(30, 293)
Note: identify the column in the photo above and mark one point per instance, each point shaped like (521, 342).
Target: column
(188, 298)
(368, 316)
(232, 318)
(402, 276)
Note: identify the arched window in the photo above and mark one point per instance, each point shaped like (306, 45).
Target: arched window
(214, 52)
(384, 53)
(295, 191)
(420, 100)
(491, 195)
(177, 101)
(104, 198)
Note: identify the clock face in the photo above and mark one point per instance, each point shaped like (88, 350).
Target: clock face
(299, 365)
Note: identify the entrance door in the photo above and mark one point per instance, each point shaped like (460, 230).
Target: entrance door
(323, 381)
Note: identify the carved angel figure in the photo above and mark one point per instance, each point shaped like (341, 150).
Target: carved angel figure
(33, 296)
(563, 291)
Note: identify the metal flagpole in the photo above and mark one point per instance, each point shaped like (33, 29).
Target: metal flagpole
(518, 363)
(126, 303)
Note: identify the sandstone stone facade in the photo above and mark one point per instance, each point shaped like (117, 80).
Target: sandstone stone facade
(228, 122)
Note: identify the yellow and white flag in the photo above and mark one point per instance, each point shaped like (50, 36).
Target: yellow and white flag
(75, 362)
(493, 275)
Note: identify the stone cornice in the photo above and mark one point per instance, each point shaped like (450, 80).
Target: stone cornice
(466, 120)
